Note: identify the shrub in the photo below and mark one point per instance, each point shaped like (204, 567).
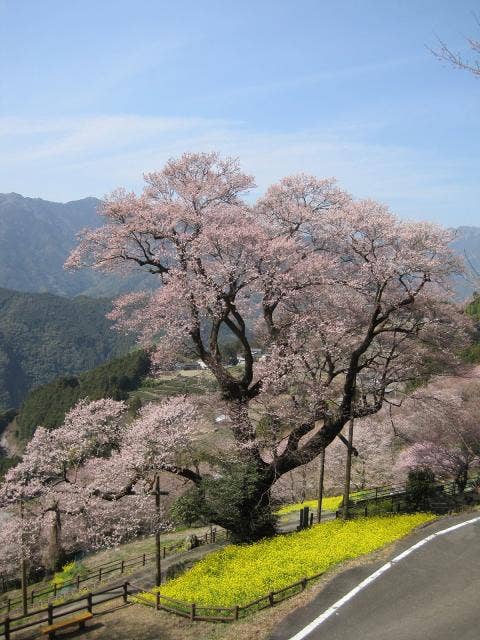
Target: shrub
(419, 488)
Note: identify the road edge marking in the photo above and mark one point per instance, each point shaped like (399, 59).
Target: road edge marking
(303, 633)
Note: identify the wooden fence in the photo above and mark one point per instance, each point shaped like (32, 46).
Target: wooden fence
(394, 498)
(101, 572)
(10, 625)
(196, 612)
(191, 610)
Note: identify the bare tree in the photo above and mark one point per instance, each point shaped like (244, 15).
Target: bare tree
(456, 59)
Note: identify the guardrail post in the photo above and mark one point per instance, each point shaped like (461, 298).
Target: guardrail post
(50, 613)
(6, 628)
(192, 611)
(89, 602)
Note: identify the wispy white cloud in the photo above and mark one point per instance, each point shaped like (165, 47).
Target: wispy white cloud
(83, 156)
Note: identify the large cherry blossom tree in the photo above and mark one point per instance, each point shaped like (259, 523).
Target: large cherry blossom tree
(345, 298)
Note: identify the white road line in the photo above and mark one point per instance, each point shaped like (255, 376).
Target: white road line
(303, 633)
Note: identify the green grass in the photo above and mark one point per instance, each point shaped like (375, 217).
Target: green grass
(239, 574)
(328, 504)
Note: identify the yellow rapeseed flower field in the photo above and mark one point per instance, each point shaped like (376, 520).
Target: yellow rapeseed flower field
(239, 574)
(328, 504)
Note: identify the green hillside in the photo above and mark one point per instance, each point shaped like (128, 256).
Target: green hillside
(47, 405)
(43, 336)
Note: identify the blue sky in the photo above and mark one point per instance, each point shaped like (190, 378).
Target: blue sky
(94, 93)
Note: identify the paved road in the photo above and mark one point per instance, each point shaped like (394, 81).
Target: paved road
(432, 594)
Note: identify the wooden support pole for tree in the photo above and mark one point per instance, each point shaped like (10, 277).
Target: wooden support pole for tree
(158, 556)
(348, 470)
(24, 586)
(321, 473)
(23, 567)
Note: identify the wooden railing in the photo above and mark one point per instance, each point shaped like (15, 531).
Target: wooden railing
(210, 613)
(10, 625)
(101, 572)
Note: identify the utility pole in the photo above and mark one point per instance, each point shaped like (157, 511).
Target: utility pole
(321, 472)
(348, 470)
(158, 550)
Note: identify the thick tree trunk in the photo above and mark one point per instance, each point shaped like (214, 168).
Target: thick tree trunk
(54, 555)
(461, 479)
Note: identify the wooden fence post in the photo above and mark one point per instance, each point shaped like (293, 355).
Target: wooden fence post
(304, 583)
(78, 581)
(122, 566)
(164, 551)
(6, 628)
(143, 560)
(50, 613)
(32, 595)
(89, 603)
(237, 609)
(54, 589)
(365, 510)
(270, 599)
(125, 592)
(192, 611)
(9, 604)
(157, 600)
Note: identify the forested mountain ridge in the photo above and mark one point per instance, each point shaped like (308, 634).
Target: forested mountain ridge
(43, 336)
(47, 404)
(467, 245)
(36, 236)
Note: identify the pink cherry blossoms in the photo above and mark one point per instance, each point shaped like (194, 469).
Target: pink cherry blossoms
(89, 482)
(344, 298)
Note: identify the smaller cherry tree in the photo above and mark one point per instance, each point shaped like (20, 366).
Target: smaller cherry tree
(94, 475)
(443, 433)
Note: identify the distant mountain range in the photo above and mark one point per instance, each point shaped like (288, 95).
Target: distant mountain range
(36, 237)
(467, 244)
